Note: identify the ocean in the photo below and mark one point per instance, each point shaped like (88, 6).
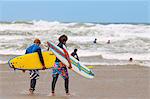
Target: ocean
(126, 40)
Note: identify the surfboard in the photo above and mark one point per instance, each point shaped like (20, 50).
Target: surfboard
(77, 66)
(32, 61)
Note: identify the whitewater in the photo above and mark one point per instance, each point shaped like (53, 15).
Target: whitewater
(126, 40)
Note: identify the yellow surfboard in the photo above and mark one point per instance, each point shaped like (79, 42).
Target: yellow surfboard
(32, 61)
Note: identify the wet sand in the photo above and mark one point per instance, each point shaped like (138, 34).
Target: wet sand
(110, 82)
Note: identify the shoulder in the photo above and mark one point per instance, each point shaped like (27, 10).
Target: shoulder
(36, 47)
(30, 47)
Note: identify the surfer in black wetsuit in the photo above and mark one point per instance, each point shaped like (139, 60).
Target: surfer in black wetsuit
(108, 42)
(74, 54)
(60, 69)
(34, 74)
(95, 41)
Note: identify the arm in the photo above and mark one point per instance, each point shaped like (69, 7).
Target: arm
(77, 57)
(41, 58)
(48, 49)
(26, 52)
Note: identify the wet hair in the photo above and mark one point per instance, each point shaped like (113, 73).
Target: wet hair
(63, 38)
(37, 41)
(108, 41)
(131, 59)
(75, 50)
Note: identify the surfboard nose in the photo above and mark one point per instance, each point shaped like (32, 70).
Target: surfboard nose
(10, 64)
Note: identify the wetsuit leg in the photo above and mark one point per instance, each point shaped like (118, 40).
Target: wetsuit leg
(32, 84)
(54, 82)
(67, 85)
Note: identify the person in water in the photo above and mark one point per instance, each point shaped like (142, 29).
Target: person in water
(60, 69)
(74, 54)
(34, 74)
(130, 59)
(95, 40)
(108, 42)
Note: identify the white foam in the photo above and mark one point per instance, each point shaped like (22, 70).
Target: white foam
(85, 53)
(126, 56)
(3, 62)
(12, 52)
(126, 40)
(120, 63)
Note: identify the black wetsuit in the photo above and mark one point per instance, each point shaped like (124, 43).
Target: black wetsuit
(74, 54)
(61, 46)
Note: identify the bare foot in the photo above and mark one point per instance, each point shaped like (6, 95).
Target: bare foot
(68, 94)
(31, 91)
(52, 94)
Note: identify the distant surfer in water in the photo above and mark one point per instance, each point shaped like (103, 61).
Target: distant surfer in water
(34, 74)
(60, 69)
(74, 54)
(108, 42)
(130, 59)
(95, 40)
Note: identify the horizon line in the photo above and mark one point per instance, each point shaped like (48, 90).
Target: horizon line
(29, 21)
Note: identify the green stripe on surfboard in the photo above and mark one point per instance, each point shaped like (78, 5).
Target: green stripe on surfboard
(82, 68)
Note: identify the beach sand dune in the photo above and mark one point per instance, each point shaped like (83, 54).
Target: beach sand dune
(110, 82)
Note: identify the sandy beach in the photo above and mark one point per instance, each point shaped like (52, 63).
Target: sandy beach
(110, 82)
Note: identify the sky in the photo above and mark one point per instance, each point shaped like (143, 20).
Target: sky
(100, 11)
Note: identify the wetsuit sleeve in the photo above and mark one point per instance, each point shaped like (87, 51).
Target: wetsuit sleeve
(48, 49)
(72, 54)
(26, 52)
(75, 54)
(77, 57)
(40, 56)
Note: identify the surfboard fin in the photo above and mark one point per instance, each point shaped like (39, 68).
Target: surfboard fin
(92, 73)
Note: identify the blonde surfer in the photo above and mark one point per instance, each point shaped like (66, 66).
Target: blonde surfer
(34, 74)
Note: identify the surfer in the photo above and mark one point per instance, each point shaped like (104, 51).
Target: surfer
(108, 42)
(34, 74)
(60, 69)
(130, 59)
(95, 40)
(74, 54)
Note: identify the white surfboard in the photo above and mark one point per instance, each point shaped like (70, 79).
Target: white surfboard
(77, 66)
